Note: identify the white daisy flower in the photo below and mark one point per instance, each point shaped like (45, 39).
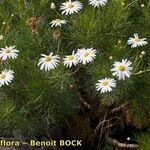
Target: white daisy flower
(70, 7)
(97, 3)
(71, 60)
(86, 55)
(105, 85)
(57, 22)
(8, 52)
(6, 77)
(122, 69)
(48, 62)
(136, 41)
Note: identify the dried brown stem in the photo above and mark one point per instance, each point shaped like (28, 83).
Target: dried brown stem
(104, 121)
(119, 108)
(81, 100)
(122, 145)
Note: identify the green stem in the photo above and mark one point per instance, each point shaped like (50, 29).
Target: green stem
(74, 71)
(141, 72)
(137, 64)
(58, 15)
(58, 46)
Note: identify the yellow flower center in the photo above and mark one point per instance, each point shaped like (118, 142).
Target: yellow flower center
(86, 54)
(70, 5)
(48, 58)
(7, 50)
(71, 57)
(137, 39)
(121, 68)
(104, 83)
(58, 20)
(2, 76)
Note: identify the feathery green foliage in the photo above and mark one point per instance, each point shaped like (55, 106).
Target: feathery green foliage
(36, 102)
(144, 141)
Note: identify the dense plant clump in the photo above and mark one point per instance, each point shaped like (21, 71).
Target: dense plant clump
(75, 69)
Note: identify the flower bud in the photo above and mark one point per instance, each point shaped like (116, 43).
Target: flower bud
(53, 6)
(122, 4)
(12, 15)
(141, 56)
(110, 57)
(128, 138)
(4, 23)
(119, 41)
(143, 53)
(1, 37)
